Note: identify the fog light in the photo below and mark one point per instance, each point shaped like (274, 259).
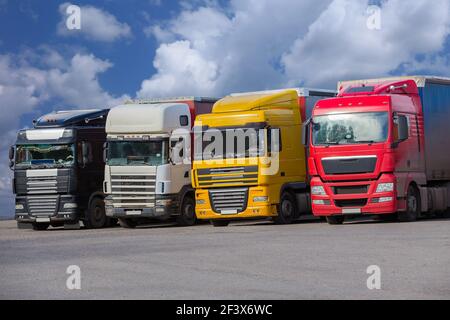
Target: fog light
(322, 202)
(70, 205)
(260, 199)
(383, 199)
(164, 202)
(19, 207)
(200, 201)
(318, 191)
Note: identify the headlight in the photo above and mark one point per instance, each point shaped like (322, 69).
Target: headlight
(385, 187)
(200, 201)
(260, 199)
(68, 133)
(70, 205)
(164, 202)
(318, 191)
(19, 207)
(382, 200)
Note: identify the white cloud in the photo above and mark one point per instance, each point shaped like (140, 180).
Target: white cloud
(188, 76)
(244, 43)
(260, 44)
(338, 44)
(96, 24)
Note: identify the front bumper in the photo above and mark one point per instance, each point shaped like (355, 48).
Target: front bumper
(364, 203)
(160, 212)
(252, 210)
(56, 213)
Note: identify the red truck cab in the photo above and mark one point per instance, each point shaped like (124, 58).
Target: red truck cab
(367, 153)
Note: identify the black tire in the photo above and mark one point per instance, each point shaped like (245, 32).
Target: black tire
(187, 215)
(412, 206)
(112, 222)
(40, 226)
(220, 223)
(287, 209)
(96, 215)
(335, 220)
(128, 223)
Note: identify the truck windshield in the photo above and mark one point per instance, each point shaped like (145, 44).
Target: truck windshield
(231, 143)
(45, 155)
(351, 128)
(135, 153)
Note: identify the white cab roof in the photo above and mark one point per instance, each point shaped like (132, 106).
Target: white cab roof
(146, 118)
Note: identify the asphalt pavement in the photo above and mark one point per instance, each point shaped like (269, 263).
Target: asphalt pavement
(252, 260)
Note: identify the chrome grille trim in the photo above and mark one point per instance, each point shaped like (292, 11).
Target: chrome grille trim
(229, 200)
(133, 191)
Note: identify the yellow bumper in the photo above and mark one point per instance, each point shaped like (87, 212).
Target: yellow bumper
(203, 208)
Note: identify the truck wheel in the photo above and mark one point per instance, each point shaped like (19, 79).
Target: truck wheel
(128, 223)
(335, 220)
(287, 210)
(412, 206)
(220, 223)
(40, 226)
(96, 216)
(187, 215)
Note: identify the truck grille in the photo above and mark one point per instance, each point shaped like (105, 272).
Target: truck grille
(349, 165)
(245, 175)
(350, 203)
(133, 191)
(41, 185)
(42, 205)
(350, 189)
(229, 201)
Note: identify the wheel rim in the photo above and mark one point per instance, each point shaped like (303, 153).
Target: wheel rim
(287, 208)
(189, 211)
(412, 203)
(98, 213)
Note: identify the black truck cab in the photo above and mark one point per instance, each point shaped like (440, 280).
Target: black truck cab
(59, 169)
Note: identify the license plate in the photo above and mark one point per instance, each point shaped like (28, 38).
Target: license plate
(351, 211)
(228, 211)
(133, 212)
(42, 219)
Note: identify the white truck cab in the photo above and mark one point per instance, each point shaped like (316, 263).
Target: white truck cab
(148, 160)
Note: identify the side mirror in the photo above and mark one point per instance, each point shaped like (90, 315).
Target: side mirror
(305, 132)
(11, 153)
(105, 152)
(403, 130)
(11, 164)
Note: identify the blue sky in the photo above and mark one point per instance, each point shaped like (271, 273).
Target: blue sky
(154, 48)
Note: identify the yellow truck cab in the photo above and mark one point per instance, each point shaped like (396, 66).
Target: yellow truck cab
(249, 161)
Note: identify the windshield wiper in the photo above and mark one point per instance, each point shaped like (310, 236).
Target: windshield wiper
(327, 144)
(363, 142)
